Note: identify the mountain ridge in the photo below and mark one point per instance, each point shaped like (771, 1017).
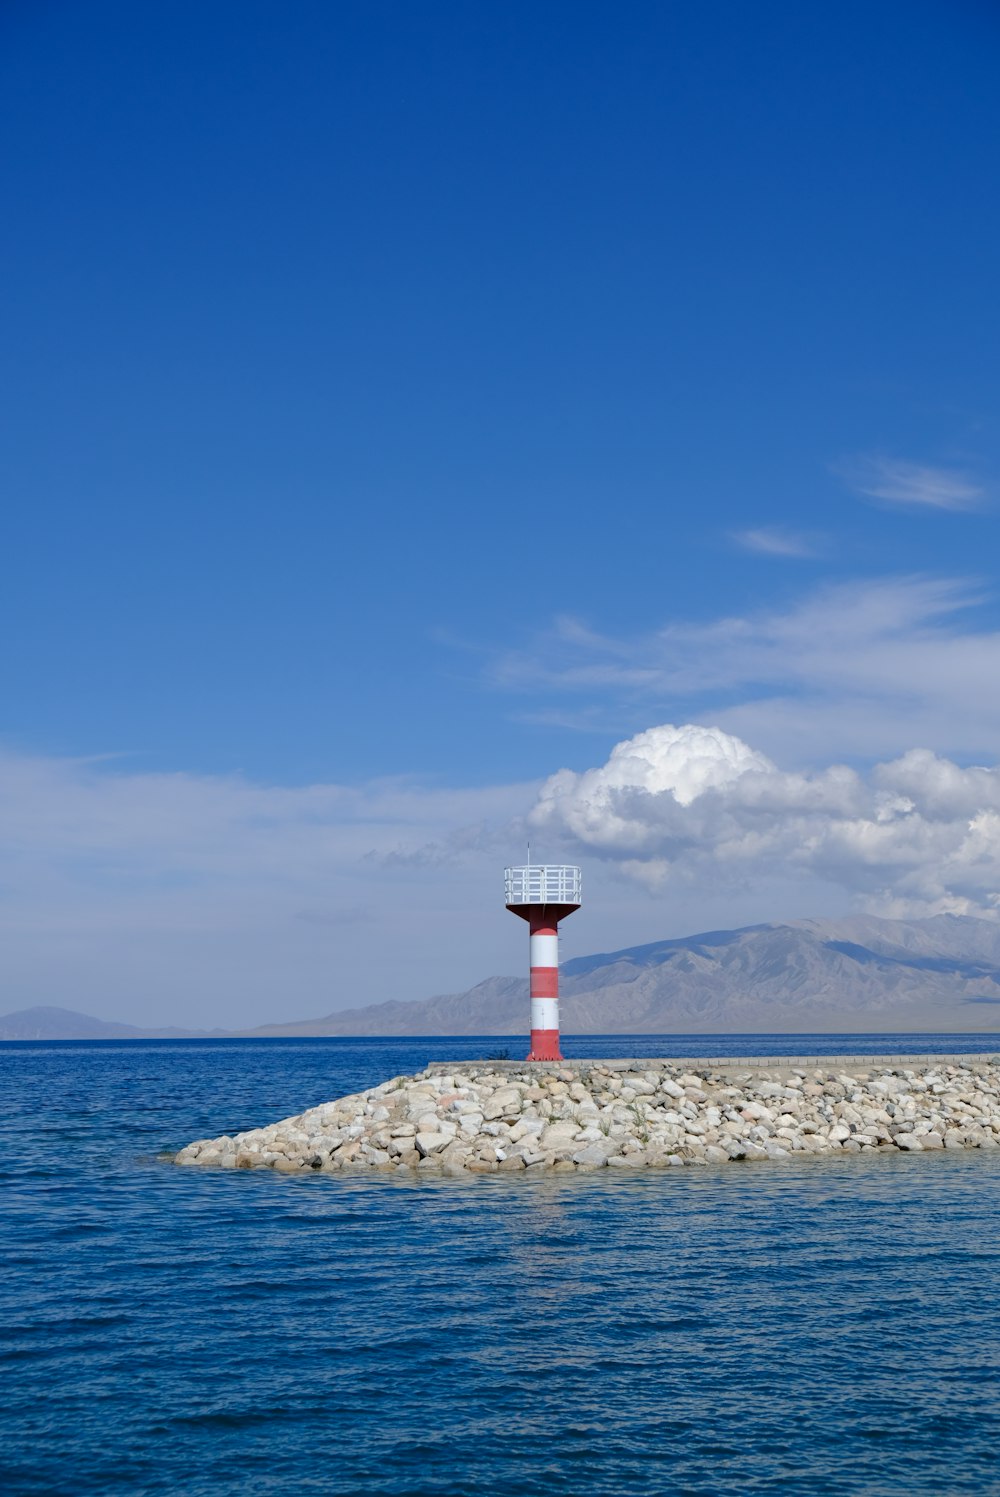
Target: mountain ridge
(861, 973)
(858, 974)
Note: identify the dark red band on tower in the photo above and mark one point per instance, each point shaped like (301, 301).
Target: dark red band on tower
(545, 982)
(545, 1045)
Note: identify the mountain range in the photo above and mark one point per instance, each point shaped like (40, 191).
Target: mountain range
(859, 974)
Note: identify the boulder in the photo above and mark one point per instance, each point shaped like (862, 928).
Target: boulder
(431, 1143)
(591, 1157)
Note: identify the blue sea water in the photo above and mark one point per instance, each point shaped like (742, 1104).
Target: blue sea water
(829, 1327)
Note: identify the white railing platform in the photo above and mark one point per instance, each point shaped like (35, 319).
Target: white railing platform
(543, 883)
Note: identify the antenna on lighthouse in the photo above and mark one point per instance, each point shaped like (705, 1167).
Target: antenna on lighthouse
(543, 894)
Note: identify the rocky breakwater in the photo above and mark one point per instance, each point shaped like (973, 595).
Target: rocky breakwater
(623, 1115)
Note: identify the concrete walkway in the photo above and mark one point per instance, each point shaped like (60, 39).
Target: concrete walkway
(729, 1062)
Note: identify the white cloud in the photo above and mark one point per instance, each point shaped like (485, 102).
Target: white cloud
(775, 541)
(917, 835)
(852, 669)
(210, 899)
(204, 827)
(898, 482)
(204, 900)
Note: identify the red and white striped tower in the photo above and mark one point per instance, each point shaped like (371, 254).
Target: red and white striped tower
(543, 895)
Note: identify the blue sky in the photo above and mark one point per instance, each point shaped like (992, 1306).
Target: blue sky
(407, 396)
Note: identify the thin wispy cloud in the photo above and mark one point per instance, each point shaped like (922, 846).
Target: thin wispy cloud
(894, 481)
(775, 541)
(857, 669)
(205, 899)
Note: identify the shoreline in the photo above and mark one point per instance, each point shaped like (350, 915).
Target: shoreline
(485, 1117)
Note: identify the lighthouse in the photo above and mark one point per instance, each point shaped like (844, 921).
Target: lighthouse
(543, 894)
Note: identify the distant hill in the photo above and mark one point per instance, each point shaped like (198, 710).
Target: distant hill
(858, 974)
(65, 1024)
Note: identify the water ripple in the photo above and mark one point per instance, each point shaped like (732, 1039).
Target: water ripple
(830, 1327)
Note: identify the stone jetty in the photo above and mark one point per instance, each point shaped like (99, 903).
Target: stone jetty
(488, 1116)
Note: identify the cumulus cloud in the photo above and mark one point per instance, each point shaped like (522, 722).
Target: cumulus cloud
(775, 541)
(917, 835)
(897, 482)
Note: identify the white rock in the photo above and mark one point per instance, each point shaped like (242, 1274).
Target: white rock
(591, 1156)
(430, 1143)
(508, 1098)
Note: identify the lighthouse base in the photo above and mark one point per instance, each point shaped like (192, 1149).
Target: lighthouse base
(544, 1045)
